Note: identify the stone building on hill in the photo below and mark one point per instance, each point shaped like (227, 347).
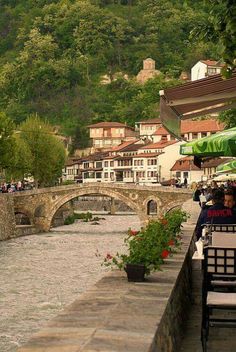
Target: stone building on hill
(148, 71)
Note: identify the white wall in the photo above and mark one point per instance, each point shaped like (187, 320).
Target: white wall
(198, 71)
(167, 160)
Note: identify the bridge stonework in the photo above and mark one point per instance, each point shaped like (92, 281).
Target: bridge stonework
(40, 205)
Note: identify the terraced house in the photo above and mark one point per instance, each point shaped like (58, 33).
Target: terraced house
(146, 155)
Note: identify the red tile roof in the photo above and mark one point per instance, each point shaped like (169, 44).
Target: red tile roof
(146, 155)
(109, 124)
(213, 162)
(123, 145)
(212, 63)
(159, 145)
(185, 164)
(194, 127)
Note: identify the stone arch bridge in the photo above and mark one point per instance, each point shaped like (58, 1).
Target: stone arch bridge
(40, 205)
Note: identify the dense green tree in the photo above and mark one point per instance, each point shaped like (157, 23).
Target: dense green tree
(228, 117)
(219, 27)
(54, 53)
(7, 145)
(47, 152)
(22, 161)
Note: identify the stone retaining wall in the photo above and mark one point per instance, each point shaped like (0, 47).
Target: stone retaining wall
(120, 316)
(25, 230)
(7, 217)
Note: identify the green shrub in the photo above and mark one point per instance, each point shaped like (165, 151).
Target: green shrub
(152, 244)
(69, 220)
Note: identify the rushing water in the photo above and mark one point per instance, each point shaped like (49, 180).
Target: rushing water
(41, 274)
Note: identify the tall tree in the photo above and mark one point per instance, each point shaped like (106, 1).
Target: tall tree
(7, 145)
(220, 27)
(48, 153)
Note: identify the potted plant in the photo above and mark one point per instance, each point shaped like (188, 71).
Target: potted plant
(146, 249)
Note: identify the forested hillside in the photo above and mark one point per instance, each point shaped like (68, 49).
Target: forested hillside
(54, 53)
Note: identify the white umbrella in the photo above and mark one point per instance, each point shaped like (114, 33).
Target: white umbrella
(225, 177)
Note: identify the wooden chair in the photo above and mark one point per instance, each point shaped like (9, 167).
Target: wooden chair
(218, 263)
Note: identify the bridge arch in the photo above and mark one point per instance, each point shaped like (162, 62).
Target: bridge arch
(147, 202)
(61, 200)
(24, 212)
(172, 205)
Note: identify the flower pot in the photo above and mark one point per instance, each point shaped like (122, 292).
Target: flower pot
(135, 272)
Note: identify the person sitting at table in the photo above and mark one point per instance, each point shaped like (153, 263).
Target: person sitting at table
(218, 213)
(229, 200)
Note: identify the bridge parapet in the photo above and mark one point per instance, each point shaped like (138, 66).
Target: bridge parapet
(40, 205)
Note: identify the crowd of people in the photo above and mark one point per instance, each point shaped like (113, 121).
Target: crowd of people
(218, 204)
(14, 187)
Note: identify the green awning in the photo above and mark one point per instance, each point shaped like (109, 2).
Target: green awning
(220, 144)
(229, 166)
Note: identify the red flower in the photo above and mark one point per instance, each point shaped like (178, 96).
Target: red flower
(163, 221)
(109, 256)
(165, 253)
(171, 243)
(133, 232)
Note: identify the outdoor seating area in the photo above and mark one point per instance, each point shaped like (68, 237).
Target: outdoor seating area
(218, 268)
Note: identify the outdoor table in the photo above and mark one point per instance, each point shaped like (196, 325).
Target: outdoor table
(219, 239)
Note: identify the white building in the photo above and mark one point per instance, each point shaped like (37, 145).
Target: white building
(168, 151)
(185, 168)
(147, 128)
(205, 68)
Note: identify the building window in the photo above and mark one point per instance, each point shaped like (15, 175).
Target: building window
(186, 174)
(106, 164)
(106, 175)
(152, 174)
(152, 161)
(152, 207)
(112, 163)
(211, 71)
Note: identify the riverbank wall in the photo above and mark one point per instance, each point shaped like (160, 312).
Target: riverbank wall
(7, 217)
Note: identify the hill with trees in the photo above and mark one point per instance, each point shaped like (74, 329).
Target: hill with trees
(54, 53)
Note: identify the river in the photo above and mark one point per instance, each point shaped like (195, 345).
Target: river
(41, 274)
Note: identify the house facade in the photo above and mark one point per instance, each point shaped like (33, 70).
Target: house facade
(151, 158)
(185, 168)
(105, 135)
(147, 128)
(205, 68)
